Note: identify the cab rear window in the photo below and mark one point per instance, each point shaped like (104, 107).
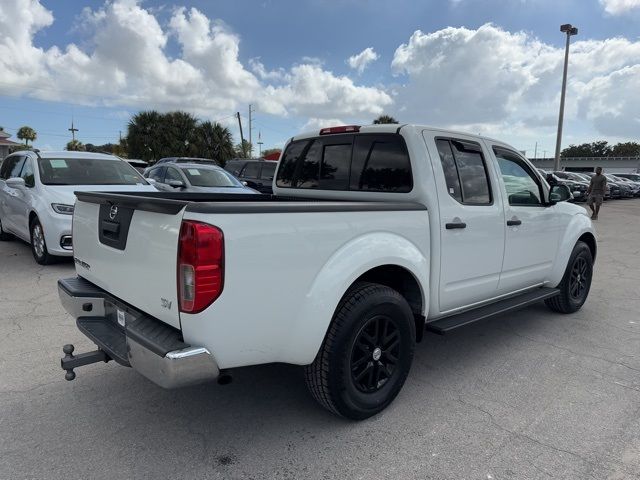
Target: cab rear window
(365, 162)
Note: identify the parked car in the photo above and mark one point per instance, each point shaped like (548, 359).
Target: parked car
(633, 186)
(195, 177)
(37, 195)
(164, 160)
(139, 165)
(552, 179)
(374, 234)
(577, 185)
(625, 190)
(631, 176)
(256, 174)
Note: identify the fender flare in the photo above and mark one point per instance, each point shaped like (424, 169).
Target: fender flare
(375, 249)
(579, 226)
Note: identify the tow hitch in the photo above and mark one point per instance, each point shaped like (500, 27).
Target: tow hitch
(71, 361)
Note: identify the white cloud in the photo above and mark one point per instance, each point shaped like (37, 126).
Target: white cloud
(618, 7)
(362, 60)
(124, 62)
(319, 123)
(497, 81)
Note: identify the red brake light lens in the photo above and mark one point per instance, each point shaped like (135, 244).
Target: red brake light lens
(342, 129)
(200, 265)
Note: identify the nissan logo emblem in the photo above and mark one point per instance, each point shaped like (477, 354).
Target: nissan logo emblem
(113, 213)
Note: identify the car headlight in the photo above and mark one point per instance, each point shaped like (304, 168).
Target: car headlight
(62, 208)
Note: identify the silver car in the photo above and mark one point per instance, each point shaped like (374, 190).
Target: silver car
(195, 177)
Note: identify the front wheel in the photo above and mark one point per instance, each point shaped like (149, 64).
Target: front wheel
(367, 353)
(576, 282)
(38, 244)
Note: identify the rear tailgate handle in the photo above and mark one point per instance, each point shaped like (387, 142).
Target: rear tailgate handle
(110, 229)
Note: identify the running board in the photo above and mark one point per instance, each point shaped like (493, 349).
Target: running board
(447, 324)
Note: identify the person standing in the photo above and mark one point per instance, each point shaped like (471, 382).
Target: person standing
(596, 191)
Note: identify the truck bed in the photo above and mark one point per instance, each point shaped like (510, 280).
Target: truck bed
(172, 203)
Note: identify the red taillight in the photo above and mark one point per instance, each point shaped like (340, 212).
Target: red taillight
(342, 129)
(200, 265)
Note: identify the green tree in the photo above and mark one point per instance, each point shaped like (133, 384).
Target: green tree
(143, 136)
(626, 149)
(242, 149)
(214, 141)
(27, 134)
(600, 148)
(75, 145)
(384, 119)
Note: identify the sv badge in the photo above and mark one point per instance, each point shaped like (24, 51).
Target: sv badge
(165, 303)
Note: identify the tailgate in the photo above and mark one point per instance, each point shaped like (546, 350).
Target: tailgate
(128, 246)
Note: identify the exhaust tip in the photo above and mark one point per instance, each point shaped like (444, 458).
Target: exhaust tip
(225, 379)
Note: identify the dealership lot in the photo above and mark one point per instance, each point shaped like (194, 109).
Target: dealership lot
(528, 395)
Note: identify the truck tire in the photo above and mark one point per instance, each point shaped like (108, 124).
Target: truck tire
(576, 282)
(38, 244)
(366, 354)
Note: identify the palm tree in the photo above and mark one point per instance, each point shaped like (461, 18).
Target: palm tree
(27, 133)
(214, 141)
(384, 119)
(143, 138)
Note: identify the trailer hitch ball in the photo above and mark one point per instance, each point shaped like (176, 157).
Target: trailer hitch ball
(68, 355)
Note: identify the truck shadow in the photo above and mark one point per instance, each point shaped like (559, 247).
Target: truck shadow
(270, 403)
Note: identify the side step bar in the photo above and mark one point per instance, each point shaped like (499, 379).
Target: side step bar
(447, 324)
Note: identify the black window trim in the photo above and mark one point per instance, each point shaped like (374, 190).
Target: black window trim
(310, 141)
(484, 163)
(525, 166)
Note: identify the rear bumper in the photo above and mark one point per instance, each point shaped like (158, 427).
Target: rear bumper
(134, 339)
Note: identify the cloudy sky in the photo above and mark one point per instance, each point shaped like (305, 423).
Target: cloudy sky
(484, 66)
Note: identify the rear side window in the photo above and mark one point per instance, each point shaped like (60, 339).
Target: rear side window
(370, 162)
(11, 167)
(251, 170)
(381, 164)
(472, 183)
(268, 169)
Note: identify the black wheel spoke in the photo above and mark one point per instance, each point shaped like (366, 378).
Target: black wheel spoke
(375, 353)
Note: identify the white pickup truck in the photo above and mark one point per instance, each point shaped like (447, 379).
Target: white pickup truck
(373, 234)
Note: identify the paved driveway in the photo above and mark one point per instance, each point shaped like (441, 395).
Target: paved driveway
(532, 395)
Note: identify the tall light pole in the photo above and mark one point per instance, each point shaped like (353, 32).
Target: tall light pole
(570, 30)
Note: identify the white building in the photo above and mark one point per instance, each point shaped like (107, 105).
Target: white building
(5, 144)
(589, 164)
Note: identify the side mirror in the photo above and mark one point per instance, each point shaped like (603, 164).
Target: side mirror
(175, 183)
(15, 182)
(560, 193)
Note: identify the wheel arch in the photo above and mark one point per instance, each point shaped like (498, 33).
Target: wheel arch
(579, 229)
(382, 257)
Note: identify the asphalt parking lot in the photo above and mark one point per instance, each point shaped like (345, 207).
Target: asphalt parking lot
(531, 395)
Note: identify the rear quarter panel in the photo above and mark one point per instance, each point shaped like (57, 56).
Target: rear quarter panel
(286, 272)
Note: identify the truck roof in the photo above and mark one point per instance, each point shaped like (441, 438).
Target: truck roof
(395, 128)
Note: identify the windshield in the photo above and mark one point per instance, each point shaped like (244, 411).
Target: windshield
(87, 171)
(210, 177)
(575, 176)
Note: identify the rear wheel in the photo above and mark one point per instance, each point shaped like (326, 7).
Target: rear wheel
(367, 352)
(38, 244)
(4, 236)
(576, 282)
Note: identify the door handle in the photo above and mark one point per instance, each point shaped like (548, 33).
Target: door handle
(514, 223)
(451, 226)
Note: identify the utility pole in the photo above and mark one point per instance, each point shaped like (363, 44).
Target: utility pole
(120, 135)
(73, 131)
(251, 110)
(570, 30)
(260, 142)
(535, 152)
(241, 135)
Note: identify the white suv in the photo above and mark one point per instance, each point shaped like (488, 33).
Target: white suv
(37, 195)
